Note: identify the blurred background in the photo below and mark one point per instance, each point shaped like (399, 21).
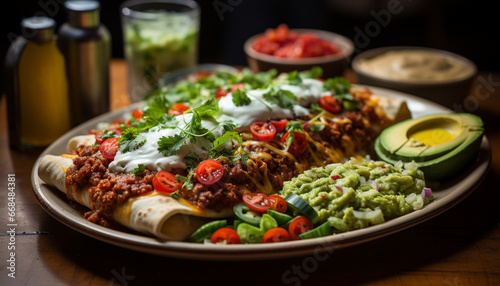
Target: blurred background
(466, 27)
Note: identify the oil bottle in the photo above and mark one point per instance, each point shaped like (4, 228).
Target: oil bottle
(36, 86)
(85, 43)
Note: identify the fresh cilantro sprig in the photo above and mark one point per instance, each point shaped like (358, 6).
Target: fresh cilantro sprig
(193, 130)
(240, 98)
(139, 170)
(131, 140)
(282, 98)
(339, 85)
(291, 127)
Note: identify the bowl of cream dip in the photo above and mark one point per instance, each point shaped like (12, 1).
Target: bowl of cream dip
(433, 74)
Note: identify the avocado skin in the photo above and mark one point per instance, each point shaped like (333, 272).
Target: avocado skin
(446, 165)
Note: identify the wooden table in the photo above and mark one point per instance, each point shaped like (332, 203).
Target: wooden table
(458, 247)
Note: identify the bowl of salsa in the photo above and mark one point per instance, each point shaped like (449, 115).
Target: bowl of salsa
(287, 50)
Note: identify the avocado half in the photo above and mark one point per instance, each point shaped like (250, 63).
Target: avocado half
(438, 161)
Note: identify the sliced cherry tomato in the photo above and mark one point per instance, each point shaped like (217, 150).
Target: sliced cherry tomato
(298, 226)
(280, 124)
(221, 92)
(276, 235)
(109, 148)
(258, 202)
(277, 203)
(330, 104)
(263, 131)
(299, 143)
(166, 182)
(228, 234)
(137, 114)
(177, 109)
(209, 172)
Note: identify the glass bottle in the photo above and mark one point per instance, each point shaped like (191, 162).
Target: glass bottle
(36, 86)
(85, 43)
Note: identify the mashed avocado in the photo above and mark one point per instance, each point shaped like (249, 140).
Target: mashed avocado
(356, 194)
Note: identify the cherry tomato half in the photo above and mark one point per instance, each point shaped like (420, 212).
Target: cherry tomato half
(166, 182)
(280, 124)
(263, 131)
(277, 203)
(221, 92)
(177, 109)
(258, 202)
(330, 104)
(228, 234)
(209, 172)
(109, 148)
(276, 235)
(299, 143)
(298, 226)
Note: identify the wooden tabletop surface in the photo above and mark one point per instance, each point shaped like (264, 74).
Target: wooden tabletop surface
(459, 247)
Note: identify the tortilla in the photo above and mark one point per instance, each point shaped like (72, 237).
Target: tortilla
(155, 214)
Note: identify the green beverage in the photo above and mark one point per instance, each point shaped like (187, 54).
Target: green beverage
(160, 36)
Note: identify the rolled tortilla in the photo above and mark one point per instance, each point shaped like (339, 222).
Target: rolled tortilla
(153, 214)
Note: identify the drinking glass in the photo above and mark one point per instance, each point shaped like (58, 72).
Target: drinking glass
(160, 36)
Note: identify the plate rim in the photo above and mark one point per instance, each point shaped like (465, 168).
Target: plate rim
(186, 250)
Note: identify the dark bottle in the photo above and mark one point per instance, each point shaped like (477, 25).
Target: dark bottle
(36, 88)
(86, 46)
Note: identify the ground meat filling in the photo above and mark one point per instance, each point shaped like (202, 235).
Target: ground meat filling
(106, 189)
(349, 134)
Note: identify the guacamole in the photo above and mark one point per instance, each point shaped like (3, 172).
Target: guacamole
(357, 194)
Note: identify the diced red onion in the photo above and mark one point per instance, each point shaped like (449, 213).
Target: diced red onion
(339, 188)
(426, 192)
(306, 125)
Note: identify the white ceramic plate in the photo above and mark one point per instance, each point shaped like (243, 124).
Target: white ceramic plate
(446, 195)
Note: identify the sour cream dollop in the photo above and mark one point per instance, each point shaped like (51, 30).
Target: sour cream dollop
(261, 110)
(152, 159)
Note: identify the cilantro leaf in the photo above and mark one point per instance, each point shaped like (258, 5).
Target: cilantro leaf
(315, 72)
(316, 108)
(282, 98)
(240, 98)
(317, 127)
(294, 78)
(169, 146)
(229, 135)
(131, 140)
(139, 170)
(108, 134)
(191, 160)
(338, 85)
(294, 126)
(228, 125)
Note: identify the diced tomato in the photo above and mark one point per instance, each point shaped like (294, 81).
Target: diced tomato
(226, 234)
(166, 182)
(330, 104)
(277, 203)
(299, 143)
(137, 114)
(280, 124)
(282, 42)
(298, 226)
(178, 109)
(258, 202)
(109, 148)
(263, 131)
(277, 234)
(209, 172)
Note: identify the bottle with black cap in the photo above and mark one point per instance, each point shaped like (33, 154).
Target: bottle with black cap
(86, 45)
(36, 86)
